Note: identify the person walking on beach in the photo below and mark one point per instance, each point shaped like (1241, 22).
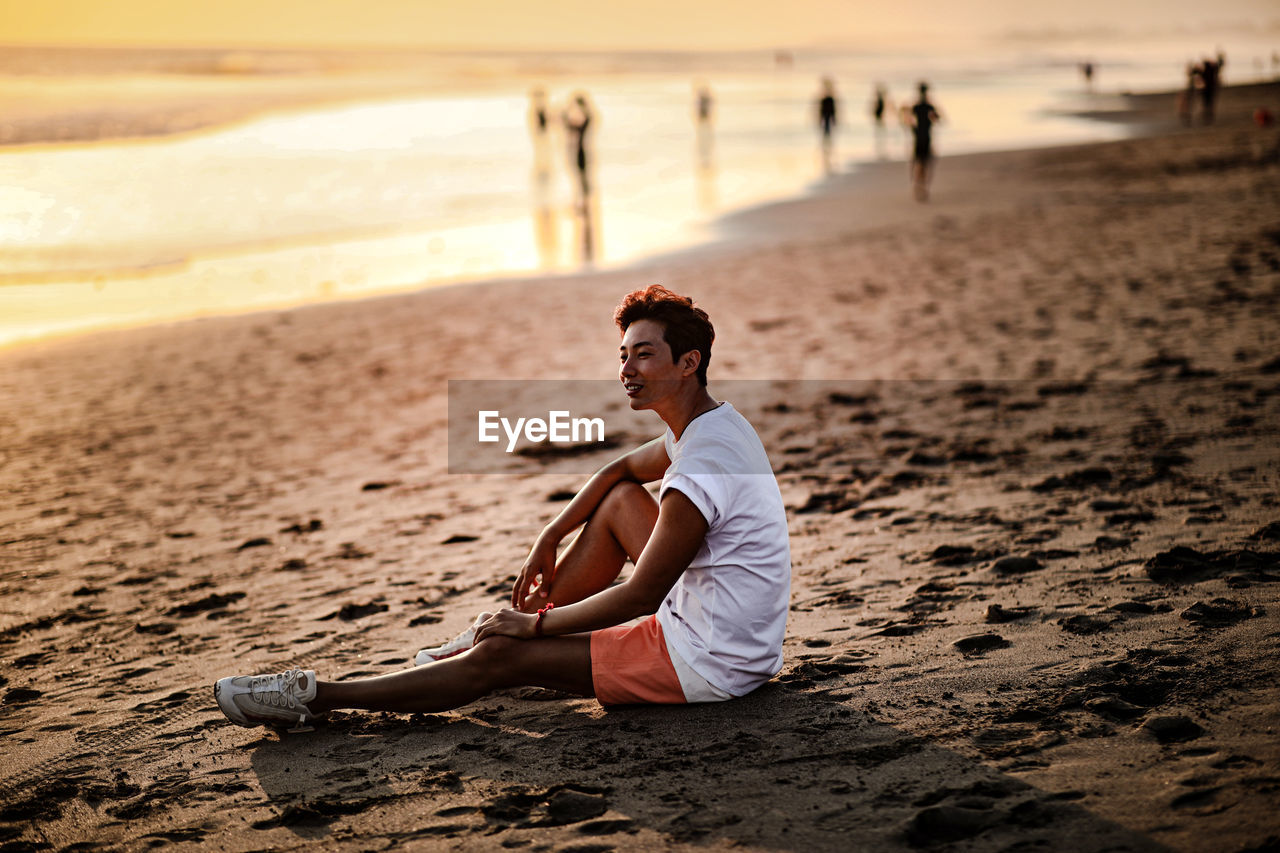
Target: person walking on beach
(1210, 80)
(1186, 98)
(712, 566)
(924, 116)
(577, 123)
(545, 226)
(704, 115)
(827, 120)
(879, 106)
(1086, 71)
(539, 133)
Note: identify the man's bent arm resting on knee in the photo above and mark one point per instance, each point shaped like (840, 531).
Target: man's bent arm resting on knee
(645, 464)
(676, 538)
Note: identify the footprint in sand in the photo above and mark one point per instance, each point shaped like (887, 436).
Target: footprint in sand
(351, 551)
(352, 612)
(1083, 624)
(1113, 707)
(998, 614)
(1133, 608)
(20, 695)
(946, 824)
(981, 644)
(1182, 564)
(1267, 532)
(157, 628)
(1016, 565)
(1220, 612)
(956, 555)
(1172, 728)
(208, 603)
(1083, 478)
(521, 807)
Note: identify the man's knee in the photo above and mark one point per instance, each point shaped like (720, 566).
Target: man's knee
(493, 658)
(492, 654)
(625, 496)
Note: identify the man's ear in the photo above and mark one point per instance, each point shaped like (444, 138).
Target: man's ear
(689, 362)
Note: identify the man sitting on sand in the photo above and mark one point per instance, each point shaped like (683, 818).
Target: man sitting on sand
(712, 566)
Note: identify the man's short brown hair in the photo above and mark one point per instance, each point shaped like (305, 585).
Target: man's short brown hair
(684, 327)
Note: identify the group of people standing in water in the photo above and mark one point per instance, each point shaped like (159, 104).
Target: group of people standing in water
(917, 118)
(577, 117)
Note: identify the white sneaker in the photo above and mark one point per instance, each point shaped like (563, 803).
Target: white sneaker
(459, 644)
(268, 700)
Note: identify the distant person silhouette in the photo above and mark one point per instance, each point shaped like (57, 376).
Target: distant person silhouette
(704, 115)
(538, 123)
(539, 132)
(879, 106)
(1210, 80)
(705, 104)
(1187, 98)
(827, 119)
(924, 116)
(1086, 71)
(545, 231)
(577, 123)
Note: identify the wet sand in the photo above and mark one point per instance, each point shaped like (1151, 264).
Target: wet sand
(1027, 439)
(102, 94)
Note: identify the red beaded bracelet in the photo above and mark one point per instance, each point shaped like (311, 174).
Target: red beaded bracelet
(537, 626)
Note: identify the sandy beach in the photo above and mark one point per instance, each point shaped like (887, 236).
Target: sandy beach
(1027, 438)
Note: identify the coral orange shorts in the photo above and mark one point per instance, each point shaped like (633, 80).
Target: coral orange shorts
(630, 665)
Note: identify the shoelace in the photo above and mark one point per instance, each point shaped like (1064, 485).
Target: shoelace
(275, 690)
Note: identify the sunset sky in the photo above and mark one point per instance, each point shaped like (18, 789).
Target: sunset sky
(599, 24)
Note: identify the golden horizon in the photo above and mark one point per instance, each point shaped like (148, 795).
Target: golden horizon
(586, 25)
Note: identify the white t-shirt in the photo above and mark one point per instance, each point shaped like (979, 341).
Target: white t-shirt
(727, 614)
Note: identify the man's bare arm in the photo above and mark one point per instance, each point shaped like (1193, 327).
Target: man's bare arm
(646, 463)
(677, 536)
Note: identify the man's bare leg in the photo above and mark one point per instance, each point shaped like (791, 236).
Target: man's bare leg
(616, 531)
(558, 663)
(619, 528)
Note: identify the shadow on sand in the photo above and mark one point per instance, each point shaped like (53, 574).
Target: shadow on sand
(791, 767)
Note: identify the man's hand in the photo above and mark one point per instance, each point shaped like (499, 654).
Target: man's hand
(536, 574)
(508, 623)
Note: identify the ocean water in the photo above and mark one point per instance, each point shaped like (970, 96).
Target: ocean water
(446, 181)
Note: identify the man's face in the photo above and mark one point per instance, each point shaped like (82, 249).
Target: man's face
(647, 371)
